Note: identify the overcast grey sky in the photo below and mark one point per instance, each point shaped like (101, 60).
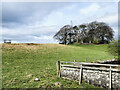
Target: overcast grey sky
(37, 22)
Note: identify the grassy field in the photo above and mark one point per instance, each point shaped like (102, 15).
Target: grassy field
(21, 63)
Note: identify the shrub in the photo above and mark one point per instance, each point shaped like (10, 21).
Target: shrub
(114, 48)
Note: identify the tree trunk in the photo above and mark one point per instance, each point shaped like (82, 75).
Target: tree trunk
(103, 39)
(81, 41)
(89, 41)
(65, 41)
(70, 39)
(77, 39)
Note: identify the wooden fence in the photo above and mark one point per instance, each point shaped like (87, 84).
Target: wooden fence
(82, 65)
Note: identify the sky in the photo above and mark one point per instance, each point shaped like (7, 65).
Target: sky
(38, 22)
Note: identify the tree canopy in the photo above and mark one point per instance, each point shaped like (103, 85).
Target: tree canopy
(93, 32)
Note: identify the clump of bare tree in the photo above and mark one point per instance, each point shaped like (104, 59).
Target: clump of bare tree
(94, 32)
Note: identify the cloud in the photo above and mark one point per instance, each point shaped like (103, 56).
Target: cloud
(92, 8)
(48, 39)
(27, 22)
(102, 10)
(38, 22)
(111, 19)
(30, 34)
(15, 14)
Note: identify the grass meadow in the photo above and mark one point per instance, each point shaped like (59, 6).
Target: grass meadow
(22, 63)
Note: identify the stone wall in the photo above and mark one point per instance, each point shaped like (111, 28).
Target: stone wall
(95, 77)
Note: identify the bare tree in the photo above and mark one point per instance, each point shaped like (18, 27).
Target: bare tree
(63, 34)
(100, 32)
(104, 32)
(94, 32)
(76, 33)
(83, 34)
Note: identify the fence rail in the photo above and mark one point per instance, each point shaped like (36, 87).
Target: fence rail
(94, 66)
(105, 69)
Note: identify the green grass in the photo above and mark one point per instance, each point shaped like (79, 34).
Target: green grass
(21, 63)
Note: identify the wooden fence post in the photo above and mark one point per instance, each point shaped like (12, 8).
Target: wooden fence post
(58, 68)
(74, 61)
(110, 75)
(80, 78)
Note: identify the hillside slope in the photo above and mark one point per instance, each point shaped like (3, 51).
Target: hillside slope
(21, 63)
